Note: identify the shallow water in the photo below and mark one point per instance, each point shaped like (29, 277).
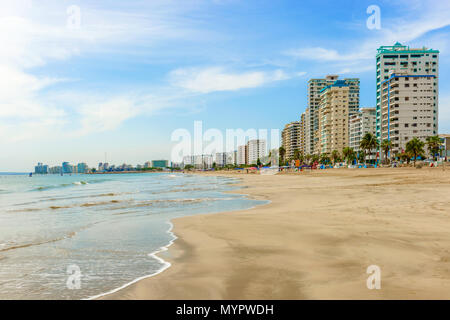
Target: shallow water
(104, 226)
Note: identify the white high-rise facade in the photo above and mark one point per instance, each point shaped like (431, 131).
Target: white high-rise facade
(411, 63)
(256, 150)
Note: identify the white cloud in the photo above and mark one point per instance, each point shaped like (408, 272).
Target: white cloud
(211, 79)
(423, 19)
(35, 35)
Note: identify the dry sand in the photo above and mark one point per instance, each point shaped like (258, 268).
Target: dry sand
(315, 240)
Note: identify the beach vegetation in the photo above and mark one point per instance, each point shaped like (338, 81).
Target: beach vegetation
(434, 146)
(335, 156)
(368, 143)
(414, 148)
(386, 146)
(348, 154)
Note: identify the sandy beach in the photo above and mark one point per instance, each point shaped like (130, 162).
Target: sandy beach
(315, 240)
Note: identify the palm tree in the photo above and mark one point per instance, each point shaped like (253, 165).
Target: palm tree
(348, 154)
(282, 152)
(386, 146)
(434, 145)
(324, 158)
(415, 148)
(361, 156)
(308, 158)
(335, 156)
(368, 143)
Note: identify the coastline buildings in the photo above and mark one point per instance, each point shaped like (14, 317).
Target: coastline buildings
(225, 158)
(242, 152)
(302, 132)
(408, 108)
(256, 150)
(82, 167)
(413, 103)
(204, 161)
(315, 87)
(333, 117)
(41, 168)
(220, 159)
(55, 170)
(445, 139)
(361, 123)
(291, 138)
(160, 163)
(67, 168)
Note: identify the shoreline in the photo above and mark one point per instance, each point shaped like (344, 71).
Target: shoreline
(154, 254)
(224, 255)
(167, 264)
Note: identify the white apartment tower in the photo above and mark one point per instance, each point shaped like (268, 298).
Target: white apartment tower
(256, 149)
(361, 123)
(408, 108)
(291, 138)
(315, 87)
(242, 155)
(421, 63)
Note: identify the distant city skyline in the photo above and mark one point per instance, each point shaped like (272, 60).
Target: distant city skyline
(117, 78)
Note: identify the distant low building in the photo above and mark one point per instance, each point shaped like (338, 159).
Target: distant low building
(445, 138)
(41, 168)
(82, 168)
(221, 159)
(160, 163)
(67, 168)
(55, 170)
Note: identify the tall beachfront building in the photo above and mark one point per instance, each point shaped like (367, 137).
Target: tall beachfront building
(291, 138)
(315, 87)
(408, 108)
(256, 149)
(242, 155)
(419, 63)
(359, 124)
(333, 117)
(302, 132)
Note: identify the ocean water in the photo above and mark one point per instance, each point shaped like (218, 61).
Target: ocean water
(78, 236)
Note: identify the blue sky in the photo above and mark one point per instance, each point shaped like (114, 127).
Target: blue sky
(130, 73)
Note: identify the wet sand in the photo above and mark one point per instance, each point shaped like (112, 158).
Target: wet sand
(315, 240)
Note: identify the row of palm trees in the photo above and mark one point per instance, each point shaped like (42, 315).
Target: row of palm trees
(369, 143)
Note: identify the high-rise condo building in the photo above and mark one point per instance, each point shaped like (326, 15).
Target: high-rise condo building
(307, 133)
(333, 117)
(408, 108)
(412, 62)
(315, 86)
(361, 123)
(302, 132)
(256, 149)
(291, 138)
(220, 159)
(242, 155)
